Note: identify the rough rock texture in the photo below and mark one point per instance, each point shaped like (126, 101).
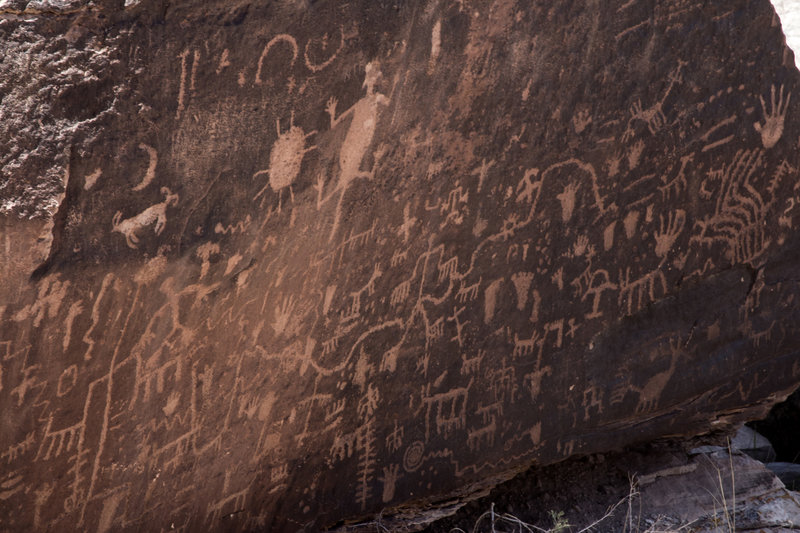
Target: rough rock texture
(782, 427)
(660, 487)
(282, 265)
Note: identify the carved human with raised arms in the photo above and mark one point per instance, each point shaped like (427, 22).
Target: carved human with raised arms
(358, 139)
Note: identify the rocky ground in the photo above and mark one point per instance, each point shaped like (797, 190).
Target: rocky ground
(663, 486)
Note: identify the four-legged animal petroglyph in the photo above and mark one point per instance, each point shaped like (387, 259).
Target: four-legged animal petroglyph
(154, 214)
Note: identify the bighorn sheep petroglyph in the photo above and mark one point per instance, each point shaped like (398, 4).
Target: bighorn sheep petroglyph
(155, 213)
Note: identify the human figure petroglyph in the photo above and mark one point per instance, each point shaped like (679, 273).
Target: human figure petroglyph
(459, 337)
(483, 172)
(154, 214)
(772, 128)
(394, 440)
(596, 282)
(451, 207)
(285, 160)
(357, 141)
(406, 226)
(204, 252)
(527, 187)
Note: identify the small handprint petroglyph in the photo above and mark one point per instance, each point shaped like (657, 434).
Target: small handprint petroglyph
(772, 129)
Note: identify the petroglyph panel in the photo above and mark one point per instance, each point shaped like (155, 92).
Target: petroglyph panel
(306, 273)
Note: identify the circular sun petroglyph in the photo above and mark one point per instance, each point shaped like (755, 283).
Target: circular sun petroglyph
(413, 457)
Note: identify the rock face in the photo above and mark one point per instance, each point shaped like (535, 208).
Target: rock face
(284, 265)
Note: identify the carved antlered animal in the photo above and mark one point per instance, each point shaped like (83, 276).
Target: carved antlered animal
(155, 213)
(650, 393)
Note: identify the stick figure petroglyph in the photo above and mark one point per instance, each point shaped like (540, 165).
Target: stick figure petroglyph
(357, 141)
(772, 129)
(155, 213)
(285, 159)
